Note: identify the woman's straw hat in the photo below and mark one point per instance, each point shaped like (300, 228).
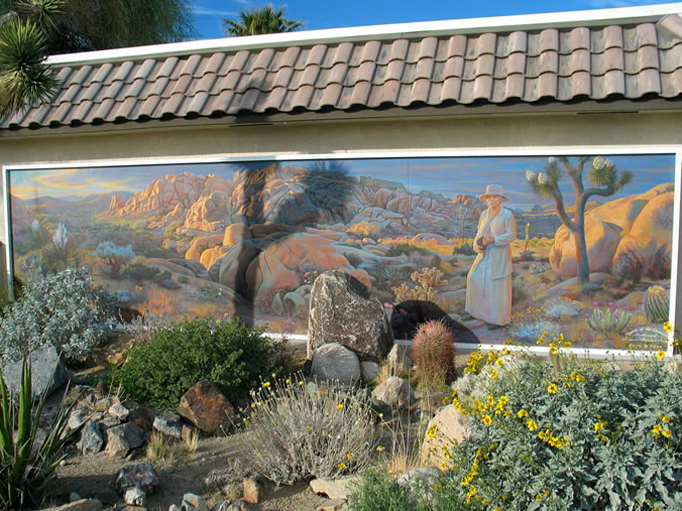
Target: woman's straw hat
(494, 190)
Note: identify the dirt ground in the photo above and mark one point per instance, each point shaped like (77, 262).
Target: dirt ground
(93, 475)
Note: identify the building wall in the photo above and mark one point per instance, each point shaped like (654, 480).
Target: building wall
(471, 134)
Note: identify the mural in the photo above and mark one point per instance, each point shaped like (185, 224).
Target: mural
(505, 248)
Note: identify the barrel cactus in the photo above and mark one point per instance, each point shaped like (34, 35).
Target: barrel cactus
(433, 351)
(656, 304)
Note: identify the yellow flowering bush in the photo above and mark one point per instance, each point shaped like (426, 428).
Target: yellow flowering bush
(574, 436)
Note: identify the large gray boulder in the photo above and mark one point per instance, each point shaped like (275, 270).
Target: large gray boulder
(45, 363)
(342, 311)
(336, 362)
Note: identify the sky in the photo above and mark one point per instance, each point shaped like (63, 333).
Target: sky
(320, 14)
(447, 176)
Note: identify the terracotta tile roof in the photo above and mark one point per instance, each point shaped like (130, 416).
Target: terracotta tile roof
(622, 61)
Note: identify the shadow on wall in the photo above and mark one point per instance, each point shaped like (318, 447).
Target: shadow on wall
(408, 315)
(280, 248)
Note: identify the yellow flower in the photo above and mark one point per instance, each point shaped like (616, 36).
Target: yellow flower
(380, 448)
(579, 377)
(667, 327)
(308, 429)
(666, 419)
(493, 373)
(656, 430)
(551, 388)
(599, 425)
(487, 420)
(349, 455)
(531, 424)
(667, 433)
(300, 382)
(521, 414)
(288, 381)
(341, 465)
(339, 406)
(660, 354)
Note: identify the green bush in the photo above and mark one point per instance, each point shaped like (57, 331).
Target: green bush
(376, 490)
(590, 437)
(27, 473)
(227, 353)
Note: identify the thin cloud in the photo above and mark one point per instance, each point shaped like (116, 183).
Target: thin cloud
(204, 11)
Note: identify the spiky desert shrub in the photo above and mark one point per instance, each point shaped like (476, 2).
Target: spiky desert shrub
(656, 304)
(427, 280)
(64, 309)
(228, 353)
(433, 352)
(297, 431)
(580, 437)
(561, 307)
(115, 256)
(26, 472)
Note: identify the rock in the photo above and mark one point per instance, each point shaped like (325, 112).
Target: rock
(108, 423)
(207, 408)
(135, 496)
(193, 502)
(341, 311)
(169, 424)
(122, 439)
(74, 497)
(332, 505)
(91, 440)
(369, 370)
(629, 236)
(47, 372)
(427, 475)
(253, 491)
(142, 475)
(119, 411)
(399, 357)
(173, 507)
(339, 488)
(237, 505)
(142, 417)
(396, 392)
(77, 418)
(79, 505)
(447, 427)
(336, 362)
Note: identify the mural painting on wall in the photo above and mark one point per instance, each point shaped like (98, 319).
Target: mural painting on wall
(508, 248)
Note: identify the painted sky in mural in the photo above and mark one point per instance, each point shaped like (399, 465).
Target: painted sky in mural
(205, 239)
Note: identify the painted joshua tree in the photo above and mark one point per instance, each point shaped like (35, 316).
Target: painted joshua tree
(605, 180)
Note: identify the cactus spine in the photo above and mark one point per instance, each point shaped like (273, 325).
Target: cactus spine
(433, 350)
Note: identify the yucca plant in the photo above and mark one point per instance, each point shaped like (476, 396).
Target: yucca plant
(26, 473)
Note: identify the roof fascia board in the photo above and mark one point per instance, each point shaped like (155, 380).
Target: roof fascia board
(597, 17)
(257, 120)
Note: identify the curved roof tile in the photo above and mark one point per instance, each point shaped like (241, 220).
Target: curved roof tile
(549, 64)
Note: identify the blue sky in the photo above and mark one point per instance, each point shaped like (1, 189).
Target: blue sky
(448, 176)
(316, 14)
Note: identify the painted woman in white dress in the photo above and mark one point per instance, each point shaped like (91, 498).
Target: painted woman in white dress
(489, 282)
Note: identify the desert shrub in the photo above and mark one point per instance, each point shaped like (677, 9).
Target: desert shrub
(561, 307)
(377, 490)
(406, 249)
(297, 431)
(353, 259)
(64, 309)
(27, 473)
(578, 437)
(433, 351)
(227, 353)
(363, 228)
(465, 247)
(427, 280)
(141, 272)
(142, 327)
(115, 256)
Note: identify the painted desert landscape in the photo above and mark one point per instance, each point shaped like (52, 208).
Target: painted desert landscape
(251, 238)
